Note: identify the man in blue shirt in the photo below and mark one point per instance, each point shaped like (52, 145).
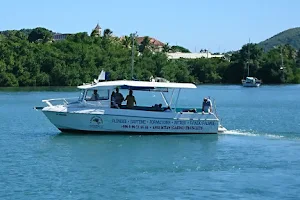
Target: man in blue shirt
(206, 106)
(95, 96)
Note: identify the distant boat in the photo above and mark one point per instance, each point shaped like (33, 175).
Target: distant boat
(250, 81)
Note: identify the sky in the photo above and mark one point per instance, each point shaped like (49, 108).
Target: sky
(219, 25)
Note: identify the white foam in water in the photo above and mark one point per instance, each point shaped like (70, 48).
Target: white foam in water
(239, 132)
(274, 136)
(247, 133)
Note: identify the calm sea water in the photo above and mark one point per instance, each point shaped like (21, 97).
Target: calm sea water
(258, 158)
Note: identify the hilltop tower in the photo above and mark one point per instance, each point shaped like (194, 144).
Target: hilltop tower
(96, 31)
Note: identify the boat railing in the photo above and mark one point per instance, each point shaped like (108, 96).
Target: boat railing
(66, 101)
(214, 106)
(94, 103)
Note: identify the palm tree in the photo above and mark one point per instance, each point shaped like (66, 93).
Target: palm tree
(166, 47)
(145, 44)
(127, 41)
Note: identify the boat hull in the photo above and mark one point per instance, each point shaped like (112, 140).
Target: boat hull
(251, 84)
(142, 122)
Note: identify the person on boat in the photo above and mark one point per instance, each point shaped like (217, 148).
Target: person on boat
(118, 97)
(113, 100)
(206, 106)
(95, 96)
(130, 100)
(158, 107)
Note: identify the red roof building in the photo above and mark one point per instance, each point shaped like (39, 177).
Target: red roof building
(153, 41)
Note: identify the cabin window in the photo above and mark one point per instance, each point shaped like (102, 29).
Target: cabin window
(102, 95)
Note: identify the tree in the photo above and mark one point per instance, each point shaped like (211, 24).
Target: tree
(127, 41)
(107, 33)
(298, 59)
(8, 80)
(144, 44)
(95, 33)
(179, 49)
(166, 48)
(40, 34)
(250, 56)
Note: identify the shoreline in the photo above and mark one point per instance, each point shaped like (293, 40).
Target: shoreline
(74, 88)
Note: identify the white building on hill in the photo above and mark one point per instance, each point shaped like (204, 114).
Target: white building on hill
(179, 55)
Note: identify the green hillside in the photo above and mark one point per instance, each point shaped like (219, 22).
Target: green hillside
(35, 59)
(290, 37)
(24, 31)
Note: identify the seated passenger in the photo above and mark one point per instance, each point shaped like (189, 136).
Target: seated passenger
(157, 107)
(95, 96)
(130, 100)
(206, 106)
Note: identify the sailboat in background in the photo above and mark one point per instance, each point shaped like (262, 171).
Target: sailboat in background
(250, 81)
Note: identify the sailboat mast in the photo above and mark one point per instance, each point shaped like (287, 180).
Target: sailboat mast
(281, 57)
(282, 67)
(248, 56)
(248, 67)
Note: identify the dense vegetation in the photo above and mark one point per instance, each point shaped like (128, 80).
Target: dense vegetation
(288, 37)
(33, 59)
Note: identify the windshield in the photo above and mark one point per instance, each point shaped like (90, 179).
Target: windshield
(94, 95)
(81, 95)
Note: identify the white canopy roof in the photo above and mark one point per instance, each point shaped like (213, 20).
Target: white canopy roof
(141, 84)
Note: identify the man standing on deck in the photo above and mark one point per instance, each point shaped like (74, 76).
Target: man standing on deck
(206, 106)
(118, 98)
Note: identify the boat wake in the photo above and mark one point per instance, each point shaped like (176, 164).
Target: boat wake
(252, 134)
(239, 132)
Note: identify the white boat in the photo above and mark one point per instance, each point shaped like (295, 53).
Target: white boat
(98, 116)
(251, 82)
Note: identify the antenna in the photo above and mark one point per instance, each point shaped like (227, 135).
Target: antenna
(207, 50)
(132, 54)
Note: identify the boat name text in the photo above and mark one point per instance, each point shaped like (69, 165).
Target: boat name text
(153, 122)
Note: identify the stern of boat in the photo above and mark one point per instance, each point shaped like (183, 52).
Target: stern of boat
(221, 129)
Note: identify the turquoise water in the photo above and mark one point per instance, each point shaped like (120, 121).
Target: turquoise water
(258, 158)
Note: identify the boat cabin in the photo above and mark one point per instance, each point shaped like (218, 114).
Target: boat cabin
(103, 94)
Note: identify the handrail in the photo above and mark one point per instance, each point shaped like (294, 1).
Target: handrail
(65, 102)
(215, 107)
(48, 101)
